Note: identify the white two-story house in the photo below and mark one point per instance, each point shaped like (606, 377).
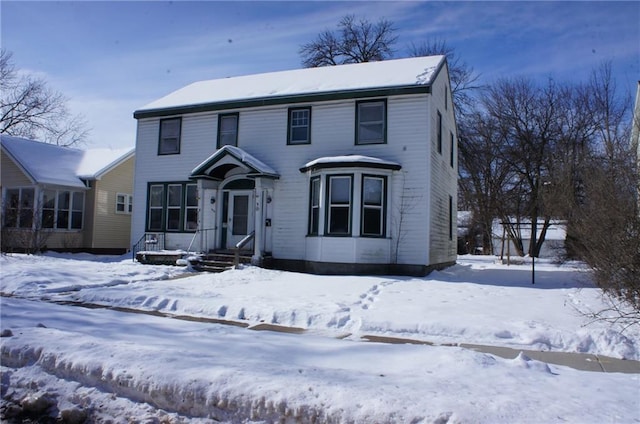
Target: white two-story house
(342, 169)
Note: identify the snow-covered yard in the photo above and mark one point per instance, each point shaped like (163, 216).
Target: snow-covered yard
(108, 364)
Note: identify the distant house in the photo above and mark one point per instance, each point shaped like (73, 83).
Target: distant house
(554, 242)
(341, 169)
(61, 198)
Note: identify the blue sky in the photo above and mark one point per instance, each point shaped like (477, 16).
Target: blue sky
(111, 58)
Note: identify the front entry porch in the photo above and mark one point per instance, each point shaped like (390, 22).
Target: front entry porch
(236, 194)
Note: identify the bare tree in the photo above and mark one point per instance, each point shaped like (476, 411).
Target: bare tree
(606, 223)
(28, 108)
(355, 41)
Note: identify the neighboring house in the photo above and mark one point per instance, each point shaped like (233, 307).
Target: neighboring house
(60, 198)
(342, 169)
(554, 241)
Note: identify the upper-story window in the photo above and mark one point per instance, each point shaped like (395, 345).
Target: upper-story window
(299, 126)
(439, 132)
(169, 143)
(452, 152)
(446, 98)
(371, 125)
(228, 129)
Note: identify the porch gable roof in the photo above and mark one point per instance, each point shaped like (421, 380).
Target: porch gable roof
(229, 157)
(349, 161)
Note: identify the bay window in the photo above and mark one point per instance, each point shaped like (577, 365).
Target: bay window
(62, 209)
(339, 205)
(373, 212)
(19, 207)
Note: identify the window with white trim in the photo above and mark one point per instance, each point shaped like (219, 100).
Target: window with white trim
(373, 211)
(62, 210)
(19, 207)
(371, 117)
(339, 205)
(124, 203)
(172, 207)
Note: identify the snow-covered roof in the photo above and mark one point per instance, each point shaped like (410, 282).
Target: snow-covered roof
(388, 74)
(50, 164)
(349, 161)
(256, 166)
(96, 162)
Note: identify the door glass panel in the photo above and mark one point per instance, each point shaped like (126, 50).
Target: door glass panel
(240, 215)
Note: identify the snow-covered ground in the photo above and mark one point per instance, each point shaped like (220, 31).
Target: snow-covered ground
(112, 365)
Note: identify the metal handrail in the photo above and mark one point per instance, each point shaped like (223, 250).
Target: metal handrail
(153, 240)
(239, 245)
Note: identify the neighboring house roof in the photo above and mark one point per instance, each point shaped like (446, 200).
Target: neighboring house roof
(352, 161)
(55, 165)
(402, 75)
(97, 162)
(227, 157)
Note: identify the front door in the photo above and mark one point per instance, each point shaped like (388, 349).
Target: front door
(239, 218)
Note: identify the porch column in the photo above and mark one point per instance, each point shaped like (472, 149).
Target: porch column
(258, 225)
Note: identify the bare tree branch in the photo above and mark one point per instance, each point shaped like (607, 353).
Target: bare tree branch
(355, 41)
(28, 108)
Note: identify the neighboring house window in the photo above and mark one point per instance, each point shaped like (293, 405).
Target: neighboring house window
(228, 130)
(62, 210)
(373, 210)
(371, 119)
(299, 126)
(124, 203)
(172, 207)
(314, 208)
(439, 132)
(452, 151)
(339, 205)
(19, 207)
(169, 136)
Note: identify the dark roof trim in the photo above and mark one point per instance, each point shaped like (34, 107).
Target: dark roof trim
(280, 100)
(351, 164)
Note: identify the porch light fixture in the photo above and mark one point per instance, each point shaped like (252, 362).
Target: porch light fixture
(212, 200)
(268, 199)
